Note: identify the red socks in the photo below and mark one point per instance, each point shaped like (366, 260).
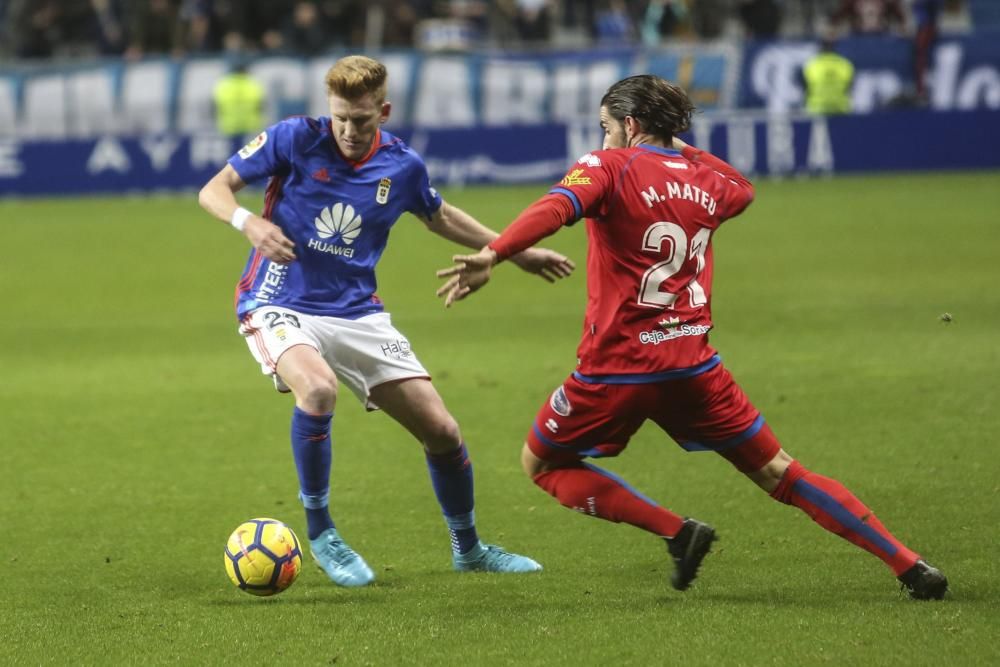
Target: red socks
(591, 490)
(835, 508)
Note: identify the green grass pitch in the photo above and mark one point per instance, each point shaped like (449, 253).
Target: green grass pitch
(136, 433)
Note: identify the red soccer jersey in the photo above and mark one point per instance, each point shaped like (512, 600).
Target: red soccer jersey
(651, 213)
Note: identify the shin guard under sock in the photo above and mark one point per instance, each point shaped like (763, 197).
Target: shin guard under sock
(835, 508)
(597, 492)
(451, 477)
(313, 454)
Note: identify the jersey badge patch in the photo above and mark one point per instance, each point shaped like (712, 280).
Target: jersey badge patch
(590, 160)
(382, 194)
(574, 178)
(560, 404)
(254, 145)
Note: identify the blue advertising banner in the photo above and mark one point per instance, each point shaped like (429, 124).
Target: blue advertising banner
(757, 144)
(906, 140)
(964, 72)
(111, 164)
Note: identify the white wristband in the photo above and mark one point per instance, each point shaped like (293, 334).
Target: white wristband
(239, 219)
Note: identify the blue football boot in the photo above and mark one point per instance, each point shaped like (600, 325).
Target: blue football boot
(339, 561)
(491, 558)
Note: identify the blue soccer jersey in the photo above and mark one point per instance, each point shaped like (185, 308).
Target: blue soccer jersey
(338, 213)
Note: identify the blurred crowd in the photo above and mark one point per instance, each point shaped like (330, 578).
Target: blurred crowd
(135, 28)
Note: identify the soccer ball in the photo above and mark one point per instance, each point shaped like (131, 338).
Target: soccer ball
(263, 557)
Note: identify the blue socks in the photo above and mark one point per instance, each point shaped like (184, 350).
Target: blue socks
(451, 477)
(313, 458)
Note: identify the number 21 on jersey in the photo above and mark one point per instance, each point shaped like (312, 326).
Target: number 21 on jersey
(676, 254)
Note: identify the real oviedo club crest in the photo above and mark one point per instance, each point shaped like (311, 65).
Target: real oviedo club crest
(382, 194)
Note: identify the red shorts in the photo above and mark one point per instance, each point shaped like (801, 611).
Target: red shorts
(704, 412)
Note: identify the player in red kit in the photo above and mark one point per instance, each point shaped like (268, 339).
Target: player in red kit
(652, 204)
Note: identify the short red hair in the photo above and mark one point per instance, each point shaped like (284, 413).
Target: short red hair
(352, 77)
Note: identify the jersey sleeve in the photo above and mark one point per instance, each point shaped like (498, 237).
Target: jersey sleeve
(425, 200)
(543, 218)
(587, 185)
(268, 153)
(736, 190)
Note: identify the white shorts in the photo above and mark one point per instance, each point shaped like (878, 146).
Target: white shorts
(364, 353)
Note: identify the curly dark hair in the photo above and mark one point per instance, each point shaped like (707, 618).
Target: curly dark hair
(661, 108)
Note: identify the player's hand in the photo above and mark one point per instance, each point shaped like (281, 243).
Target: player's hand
(469, 273)
(548, 264)
(269, 240)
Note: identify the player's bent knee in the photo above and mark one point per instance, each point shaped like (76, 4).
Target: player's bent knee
(769, 476)
(442, 435)
(531, 464)
(317, 392)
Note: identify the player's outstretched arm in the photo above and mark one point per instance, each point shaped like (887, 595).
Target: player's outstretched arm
(218, 197)
(456, 225)
(470, 272)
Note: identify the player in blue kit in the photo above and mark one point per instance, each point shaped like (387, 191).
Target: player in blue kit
(307, 306)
